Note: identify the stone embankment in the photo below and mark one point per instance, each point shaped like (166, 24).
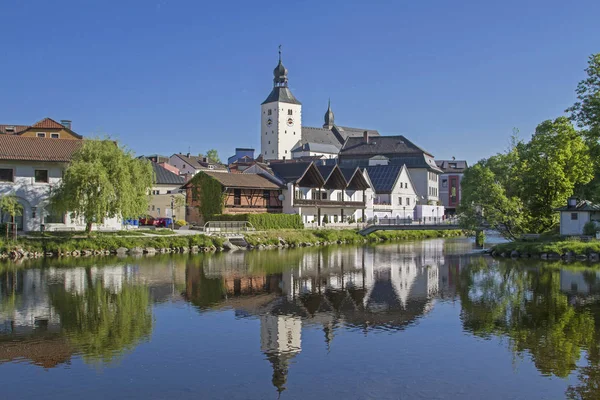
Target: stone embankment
(550, 255)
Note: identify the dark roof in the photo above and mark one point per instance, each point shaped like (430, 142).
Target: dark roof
(449, 166)
(200, 162)
(583, 205)
(346, 131)
(248, 181)
(282, 94)
(383, 177)
(380, 145)
(166, 177)
(37, 149)
(316, 147)
(289, 172)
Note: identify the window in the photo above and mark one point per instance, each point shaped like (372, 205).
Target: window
(153, 208)
(290, 111)
(55, 135)
(323, 195)
(41, 175)
(574, 216)
(408, 201)
(340, 196)
(266, 196)
(269, 142)
(269, 112)
(453, 165)
(266, 133)
(444, 183)
(41, 134)
(6, 175)
(53, 218)
(237, 197)
(399, 201)
(286, 152)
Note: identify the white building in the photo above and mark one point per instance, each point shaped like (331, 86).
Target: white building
(29, 168)
(576, 214)
(392, 195)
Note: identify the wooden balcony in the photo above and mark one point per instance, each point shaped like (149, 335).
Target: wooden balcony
(328, 203)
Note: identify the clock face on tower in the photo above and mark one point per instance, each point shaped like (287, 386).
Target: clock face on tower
(269, 122)
(290, 121)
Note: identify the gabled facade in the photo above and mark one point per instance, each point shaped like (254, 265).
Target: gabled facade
(393, 193)
(44, 129)
(322, 194)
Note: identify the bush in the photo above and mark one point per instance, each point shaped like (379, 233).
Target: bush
(263, 222)
(180, 222)
(590, 229)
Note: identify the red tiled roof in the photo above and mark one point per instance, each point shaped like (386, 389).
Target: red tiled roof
(16, 129)
(246, 181)
(47, 123)
(37, 149)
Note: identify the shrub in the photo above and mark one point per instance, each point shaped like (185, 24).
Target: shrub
(180, 222)
(590, 228)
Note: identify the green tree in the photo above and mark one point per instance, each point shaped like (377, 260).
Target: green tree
(11, 206)
(554, 162)
(213, 155)
(104, 180)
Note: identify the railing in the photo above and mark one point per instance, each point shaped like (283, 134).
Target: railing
(328, 203)
(412, 222)
(225, 227)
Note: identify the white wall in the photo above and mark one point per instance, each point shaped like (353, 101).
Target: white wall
(423, 184)
(278, 139)
(570, 226)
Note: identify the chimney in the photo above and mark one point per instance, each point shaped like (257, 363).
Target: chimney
(66, 123)
(188, 155)
(366, 136)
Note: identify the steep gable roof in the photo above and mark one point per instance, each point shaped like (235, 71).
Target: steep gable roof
(384, 177)
(48, 123)
(18, 148)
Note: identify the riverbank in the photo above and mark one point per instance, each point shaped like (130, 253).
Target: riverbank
(73, 246)
(568, 249)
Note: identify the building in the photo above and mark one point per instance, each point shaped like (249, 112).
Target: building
(450, 190)
(241, 153)
(282, 134)
(164, 195)
(30, 166)
(576, 214)
(393, 193)
(188, 164)
(324, 194)
(46, 128)
(241, 194)
(367, 151)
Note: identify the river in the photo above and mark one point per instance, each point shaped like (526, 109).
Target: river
(433, 319)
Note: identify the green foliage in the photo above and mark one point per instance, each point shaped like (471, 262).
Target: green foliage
(213, 155)
(10, 205)
(517, 191)
(590, 228)
(103, 180)
(586, 111)
(265, 221)
(209, 194)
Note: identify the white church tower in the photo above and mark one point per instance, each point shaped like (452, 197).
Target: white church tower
(281, 118)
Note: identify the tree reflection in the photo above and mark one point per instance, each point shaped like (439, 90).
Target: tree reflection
(527, 306)
(101, 323)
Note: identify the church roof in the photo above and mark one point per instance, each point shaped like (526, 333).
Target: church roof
(281, 94)
(316, 147)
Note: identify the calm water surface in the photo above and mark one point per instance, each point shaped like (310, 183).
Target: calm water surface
(423, 320)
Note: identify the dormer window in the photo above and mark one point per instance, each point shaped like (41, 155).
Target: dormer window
(10, 129)
(41, 134)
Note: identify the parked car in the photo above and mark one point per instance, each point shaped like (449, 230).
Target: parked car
(147, 221)
(163, 222)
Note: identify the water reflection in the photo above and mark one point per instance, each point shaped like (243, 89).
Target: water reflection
(100, 312)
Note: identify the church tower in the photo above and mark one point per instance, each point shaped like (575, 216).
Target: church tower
(281, 118)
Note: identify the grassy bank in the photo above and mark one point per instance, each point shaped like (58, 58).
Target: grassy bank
(67, 243)
(557, 246)
(300, 237)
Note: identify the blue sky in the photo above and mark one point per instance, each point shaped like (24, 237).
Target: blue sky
(165, 76)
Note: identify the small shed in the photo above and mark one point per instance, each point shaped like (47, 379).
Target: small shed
(576, 214)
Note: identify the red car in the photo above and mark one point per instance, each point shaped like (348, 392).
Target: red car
(147, 221)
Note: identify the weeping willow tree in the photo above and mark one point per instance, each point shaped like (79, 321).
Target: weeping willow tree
(103, 324)
(103, 180)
